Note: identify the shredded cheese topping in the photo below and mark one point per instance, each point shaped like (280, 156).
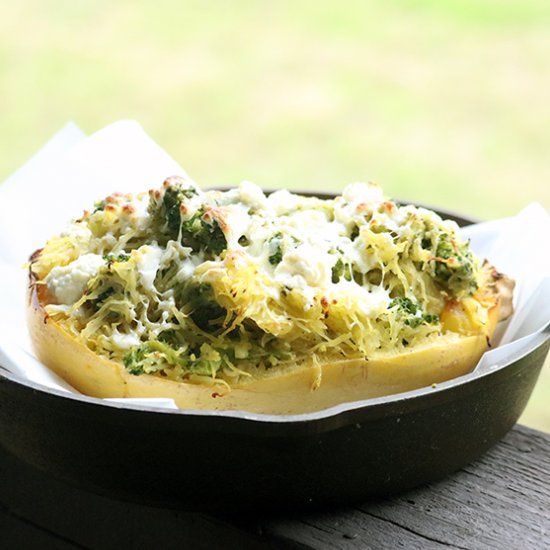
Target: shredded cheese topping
(194, 285)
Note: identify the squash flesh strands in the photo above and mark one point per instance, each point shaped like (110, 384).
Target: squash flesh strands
(230, 288)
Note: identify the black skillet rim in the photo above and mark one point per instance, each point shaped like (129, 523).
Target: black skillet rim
(318, 421)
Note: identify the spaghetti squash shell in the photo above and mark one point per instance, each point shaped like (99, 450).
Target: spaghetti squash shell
(303, 388)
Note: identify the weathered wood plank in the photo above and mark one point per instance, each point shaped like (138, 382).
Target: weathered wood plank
(93, 521)
(501, 501)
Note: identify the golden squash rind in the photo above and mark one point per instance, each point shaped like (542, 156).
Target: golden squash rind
(300, 390)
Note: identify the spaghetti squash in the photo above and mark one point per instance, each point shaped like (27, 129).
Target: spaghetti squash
(276, 303)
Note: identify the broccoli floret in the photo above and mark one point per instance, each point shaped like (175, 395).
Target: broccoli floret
(427, 318)
(152, 356)
(411, 313)
(103, 296)
(155, 356)
(354, 232)
(455, 266)
(99, 206)
(133, 360)
(199, 301)
(405, 305)
(112, 258)
(276, 257)
(174, 195)
(339, 270)
(276, 249)
(198, 233)
(278, 245)
(206, 362)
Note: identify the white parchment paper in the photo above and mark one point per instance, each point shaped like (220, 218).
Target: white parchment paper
(72, 171)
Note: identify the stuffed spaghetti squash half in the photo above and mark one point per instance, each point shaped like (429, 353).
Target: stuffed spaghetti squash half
(276, 304)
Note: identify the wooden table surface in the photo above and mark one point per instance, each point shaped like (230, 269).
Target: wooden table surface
(501, 501)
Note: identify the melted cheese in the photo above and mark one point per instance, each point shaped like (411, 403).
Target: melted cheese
(299, 271)
(148, 263)
(312, 264)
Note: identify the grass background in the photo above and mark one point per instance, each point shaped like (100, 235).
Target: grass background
(441, 101)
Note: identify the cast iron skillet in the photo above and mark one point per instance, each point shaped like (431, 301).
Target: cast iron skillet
(231, 461)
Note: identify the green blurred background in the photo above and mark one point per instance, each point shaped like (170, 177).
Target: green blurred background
(445, 102)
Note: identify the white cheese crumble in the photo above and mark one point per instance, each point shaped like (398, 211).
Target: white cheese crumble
(361, 192)
(148, 261)
(79, 233)
(238, 222)
(67, 283)
(125, 341)
(140, 214)
(252, 195)
(313, 264)
(371, 302)
(283, 201)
